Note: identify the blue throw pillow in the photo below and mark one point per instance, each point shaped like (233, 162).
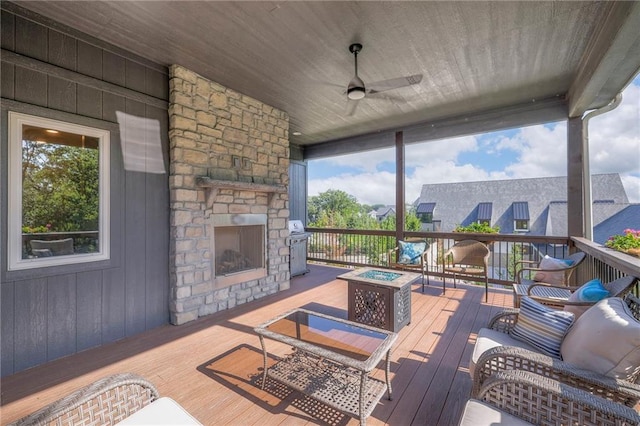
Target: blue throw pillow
(410, 252)
(542, 327)
(591, 291)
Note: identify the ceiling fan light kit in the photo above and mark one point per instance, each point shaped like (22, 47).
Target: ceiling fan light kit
(356, 88)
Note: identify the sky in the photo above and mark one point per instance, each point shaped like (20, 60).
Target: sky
(527, 152)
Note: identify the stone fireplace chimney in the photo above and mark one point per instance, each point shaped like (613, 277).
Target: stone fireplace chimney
(229, 156)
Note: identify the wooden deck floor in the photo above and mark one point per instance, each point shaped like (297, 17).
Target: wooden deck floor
(211, 366)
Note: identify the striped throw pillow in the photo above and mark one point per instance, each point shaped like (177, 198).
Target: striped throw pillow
(542, 327)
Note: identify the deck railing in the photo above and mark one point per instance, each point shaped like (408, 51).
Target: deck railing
(605, 263)
(354, 247)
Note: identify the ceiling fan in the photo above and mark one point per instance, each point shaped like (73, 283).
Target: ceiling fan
(357, 90)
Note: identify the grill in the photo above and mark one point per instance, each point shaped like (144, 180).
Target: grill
(297, 242)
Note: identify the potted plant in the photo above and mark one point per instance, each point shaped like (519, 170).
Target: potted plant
(478, 228)
(628, 243)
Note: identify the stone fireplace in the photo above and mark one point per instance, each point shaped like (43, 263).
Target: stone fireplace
(229, 162)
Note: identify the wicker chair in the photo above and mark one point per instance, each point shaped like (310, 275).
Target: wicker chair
(521, 288)
(521, 397)
(105, 402)
(422, 266)
(467, 259)
(558, 296)
(509, 357)
(42, 248)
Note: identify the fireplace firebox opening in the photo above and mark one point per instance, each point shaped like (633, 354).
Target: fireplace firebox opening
(239, 247)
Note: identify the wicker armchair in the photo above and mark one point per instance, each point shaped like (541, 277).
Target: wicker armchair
(511, 397)
(558, 296)
(521, 288)
(467, 259)
(501, 358)
(421, 265)
(105, 402)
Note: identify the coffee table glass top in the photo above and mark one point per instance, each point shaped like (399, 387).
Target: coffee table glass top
(332, 334)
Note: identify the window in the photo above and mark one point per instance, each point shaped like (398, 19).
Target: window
(426, 217)
(58, 193)
(521, 225)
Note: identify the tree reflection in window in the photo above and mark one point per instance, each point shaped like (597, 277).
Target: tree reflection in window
(60, 192)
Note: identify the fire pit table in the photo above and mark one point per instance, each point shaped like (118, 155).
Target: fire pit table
(380, 297)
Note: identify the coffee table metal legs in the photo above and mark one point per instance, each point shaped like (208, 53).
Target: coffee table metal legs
(264, 364)
(386, 374)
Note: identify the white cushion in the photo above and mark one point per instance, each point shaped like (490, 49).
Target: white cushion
(549, 262)
(489, 339)
(479, 413)
(605, 339)
(163, 411)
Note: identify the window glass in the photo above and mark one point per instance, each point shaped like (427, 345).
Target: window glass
(58, 192)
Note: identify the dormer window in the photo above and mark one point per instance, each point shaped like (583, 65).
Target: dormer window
(424, 211)
(521, 216)
(484, 213)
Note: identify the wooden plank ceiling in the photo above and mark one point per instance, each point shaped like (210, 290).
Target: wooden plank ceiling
(475, 57)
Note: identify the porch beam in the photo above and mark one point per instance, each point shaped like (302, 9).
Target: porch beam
(537, 111)
(575, 178)
(399, 186)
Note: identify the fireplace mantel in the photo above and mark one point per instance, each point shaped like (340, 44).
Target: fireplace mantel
(213, 185)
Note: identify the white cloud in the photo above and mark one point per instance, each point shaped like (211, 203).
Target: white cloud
(368, 188)
(366, 161)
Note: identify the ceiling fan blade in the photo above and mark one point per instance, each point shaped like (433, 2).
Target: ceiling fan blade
(351, 107)
(393, 83)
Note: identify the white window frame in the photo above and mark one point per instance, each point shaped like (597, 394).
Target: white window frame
(515, 225)
(14, 231)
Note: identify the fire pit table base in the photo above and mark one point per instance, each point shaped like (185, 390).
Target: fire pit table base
(380, 298)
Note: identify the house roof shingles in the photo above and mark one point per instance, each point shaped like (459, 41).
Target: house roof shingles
(458, 203)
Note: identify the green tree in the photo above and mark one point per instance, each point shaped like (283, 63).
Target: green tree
(332, 201)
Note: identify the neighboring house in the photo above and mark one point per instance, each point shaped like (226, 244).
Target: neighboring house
(536, 206)
(627, 218)
(383, 212)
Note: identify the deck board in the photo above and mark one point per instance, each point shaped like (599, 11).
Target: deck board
(212, 366)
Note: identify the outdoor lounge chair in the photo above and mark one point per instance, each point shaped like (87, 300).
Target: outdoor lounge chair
(467, 259)
(523, 398)
(105, 402)
(600, 353)
(548, 271)
(560, 296)
(410, 255)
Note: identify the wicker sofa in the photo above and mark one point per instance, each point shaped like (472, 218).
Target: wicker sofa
(104, 402)
(497, 350)
(523, 398)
